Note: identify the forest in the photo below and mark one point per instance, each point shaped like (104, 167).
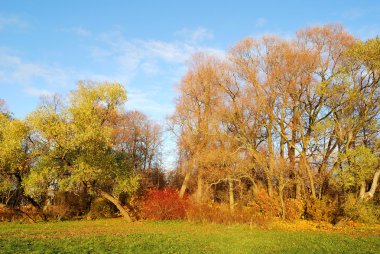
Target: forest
(277, 128)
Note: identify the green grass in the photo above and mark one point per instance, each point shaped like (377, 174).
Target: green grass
(117, 236)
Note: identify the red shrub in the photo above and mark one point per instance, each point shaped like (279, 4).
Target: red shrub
(164, 205)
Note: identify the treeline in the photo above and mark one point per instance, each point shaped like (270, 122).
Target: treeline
(73, 150)
(285, 128)
(293, 122)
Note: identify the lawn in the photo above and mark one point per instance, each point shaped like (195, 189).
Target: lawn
(117, 236)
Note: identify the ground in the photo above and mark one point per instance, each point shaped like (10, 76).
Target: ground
(118, 236)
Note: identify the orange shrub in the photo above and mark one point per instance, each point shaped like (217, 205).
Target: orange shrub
(294, 209)
(321, 209)
(265, 205)
(220, 213)
(164, 205)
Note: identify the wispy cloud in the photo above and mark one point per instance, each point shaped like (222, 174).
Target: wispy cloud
(260, 22)
(353, 13)
(133, 55)
(146, 101)
(12, 22)
(37, 92)
(15, 70)
(195, 35)
(78, 30)
(132, 62)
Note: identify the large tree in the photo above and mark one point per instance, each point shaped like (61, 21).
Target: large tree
(74, 145)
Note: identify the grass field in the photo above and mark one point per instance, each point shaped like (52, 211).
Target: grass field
(117, 236)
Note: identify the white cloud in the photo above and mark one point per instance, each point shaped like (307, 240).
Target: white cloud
(37, 92)
(353, 13)
(195, 35)
(136, 58)
(12, 21)
(150, 67)
(99, 54)
(134, 55)
(260, 22)
(78, 31)
(124, 60)
(15, 70)
(146, 101)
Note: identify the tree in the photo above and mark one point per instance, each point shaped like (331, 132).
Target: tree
(357, 165)
(139, 140)
(290, 109)
(13, 158)
(194, 117)
(75, 145)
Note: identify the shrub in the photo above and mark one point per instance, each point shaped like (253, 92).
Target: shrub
(293, 209)
(7, 214)
(359, 211)
(101, 208)
(321, 209)
(56, 212)
(25, 213)
(264, 205)
(199, 212)
(221, 214)
(164, 205)
(66, 205)
(259, 210)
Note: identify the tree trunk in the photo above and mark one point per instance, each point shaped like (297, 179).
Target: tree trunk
(294, 171)
(199, 187)
(282, 129)
(116, 202)
(29, 198)
(281, 183)
(38, 207)
(305, 145)
(271, 160)
(231, 193)
(363, 186)
(369, 194)
(282, 202)
(310, 175)
(184, 184)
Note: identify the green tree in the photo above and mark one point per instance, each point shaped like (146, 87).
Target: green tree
(75, 145)
(357, 165)
(13, 156)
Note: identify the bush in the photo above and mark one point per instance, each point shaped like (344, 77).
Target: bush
(221, 214)
(66, 205)
(56, 212)
(101, 208)
(264, 205)
(293, 209)
(25, 213)
(164, 205)
(259, 210)
(320, 209)
(7, 214)
(360, 212)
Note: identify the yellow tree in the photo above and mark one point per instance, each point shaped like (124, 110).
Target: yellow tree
(14, 159)
(194, 116)
(76, 145)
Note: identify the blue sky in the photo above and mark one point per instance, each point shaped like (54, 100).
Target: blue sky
(47, 46)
